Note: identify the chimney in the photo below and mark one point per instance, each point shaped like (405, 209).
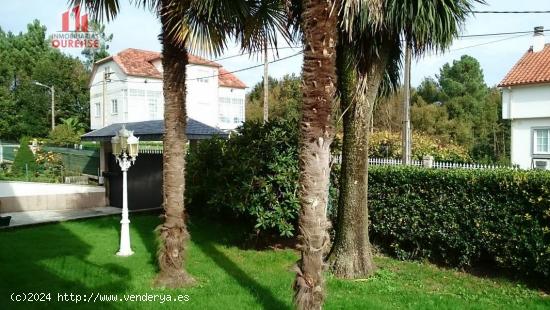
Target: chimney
(538, 39)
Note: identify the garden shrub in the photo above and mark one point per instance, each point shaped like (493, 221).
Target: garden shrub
(463, 217)
(24, 159)
(64, 135)
(252, 176)
(457, 217)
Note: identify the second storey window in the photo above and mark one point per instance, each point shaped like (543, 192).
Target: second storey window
(203, 76)
(97, 109)
(540, 141)
(114, 106)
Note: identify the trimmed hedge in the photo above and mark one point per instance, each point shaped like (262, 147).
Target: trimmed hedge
(457, 217)
(463, 217)
(24, 158)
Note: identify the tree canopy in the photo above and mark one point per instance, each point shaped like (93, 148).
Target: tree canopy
(455, 106)
(285, 98)
(25, 107)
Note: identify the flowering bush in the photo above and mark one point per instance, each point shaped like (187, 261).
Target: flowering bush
(385, 144)
(48, 164)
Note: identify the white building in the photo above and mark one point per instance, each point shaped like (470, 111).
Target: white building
(127, 87)
(526, 102)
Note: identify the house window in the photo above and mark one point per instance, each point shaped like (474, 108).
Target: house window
(152, 107)
(224, 109)
(136, 92)
(114, 107)
(540, 141)
(203, 76)
(97, 109)
(238, 110)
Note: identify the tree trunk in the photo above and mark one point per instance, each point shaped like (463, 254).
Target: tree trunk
(319, 25)
(173, 234)
(351, 255)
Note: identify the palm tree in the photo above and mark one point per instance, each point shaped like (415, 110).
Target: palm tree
(370, 58)
(319, 26)
(202, 26)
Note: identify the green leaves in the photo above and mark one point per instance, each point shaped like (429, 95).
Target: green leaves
(462, 217)
(252, 176)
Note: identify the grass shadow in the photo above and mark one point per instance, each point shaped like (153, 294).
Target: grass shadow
(217, 234)
(54, 259)
(262, 294)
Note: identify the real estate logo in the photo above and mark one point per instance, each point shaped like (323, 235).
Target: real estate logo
(74, 31)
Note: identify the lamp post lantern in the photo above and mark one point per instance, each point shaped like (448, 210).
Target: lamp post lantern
(125, 149)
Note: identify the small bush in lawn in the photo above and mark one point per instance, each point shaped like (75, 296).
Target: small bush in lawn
(24, 159)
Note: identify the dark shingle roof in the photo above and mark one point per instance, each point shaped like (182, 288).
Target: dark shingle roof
(154, 130)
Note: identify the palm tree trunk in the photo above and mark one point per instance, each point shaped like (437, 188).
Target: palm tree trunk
(351, 255)
(173, 234)
(319, 24)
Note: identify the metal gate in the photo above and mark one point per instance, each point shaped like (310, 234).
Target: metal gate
(144, 182)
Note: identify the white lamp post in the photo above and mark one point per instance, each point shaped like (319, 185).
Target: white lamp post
(125, 148)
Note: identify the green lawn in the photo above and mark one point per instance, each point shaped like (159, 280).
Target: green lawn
(78, 257)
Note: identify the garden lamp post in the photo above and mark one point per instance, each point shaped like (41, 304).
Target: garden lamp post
(52, 91)
(125, 149)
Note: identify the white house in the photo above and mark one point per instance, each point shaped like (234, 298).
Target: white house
(127, 87)
(526, 102)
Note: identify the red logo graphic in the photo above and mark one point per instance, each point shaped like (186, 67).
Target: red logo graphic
(74, 31)
(80, 22)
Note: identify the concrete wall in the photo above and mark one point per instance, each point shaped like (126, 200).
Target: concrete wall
(529, 101)
(31, 196)
(523, 140)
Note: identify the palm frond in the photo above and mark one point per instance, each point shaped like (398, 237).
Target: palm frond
(99, 9)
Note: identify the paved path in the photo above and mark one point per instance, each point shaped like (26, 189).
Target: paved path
(48, 216)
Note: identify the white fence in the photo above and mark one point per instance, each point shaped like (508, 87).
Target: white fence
(150, 149)
(428, 162)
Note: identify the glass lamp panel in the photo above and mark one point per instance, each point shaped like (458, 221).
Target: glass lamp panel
(115, 143)
(133, 146)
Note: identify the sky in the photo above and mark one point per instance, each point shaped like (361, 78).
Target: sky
(139, 28)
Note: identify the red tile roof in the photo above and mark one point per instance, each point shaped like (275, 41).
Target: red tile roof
(136, 62)
(227, 79)
(532, 68)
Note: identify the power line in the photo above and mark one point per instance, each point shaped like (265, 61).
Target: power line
(498, 34)
(251, 67)
(521, 34)
(248, 53)
(216, 75)
(510, 12)
(486, 43)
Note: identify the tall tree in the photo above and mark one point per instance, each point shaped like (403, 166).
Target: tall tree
(91, 54)
(27, 58)
(375, 53)
(472, 109)
(285, 98)
(202, 26)
(319, 27)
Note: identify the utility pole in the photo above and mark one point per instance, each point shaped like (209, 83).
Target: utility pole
(53, 106)
(266, 84)
(52, 91)
(406, 143)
